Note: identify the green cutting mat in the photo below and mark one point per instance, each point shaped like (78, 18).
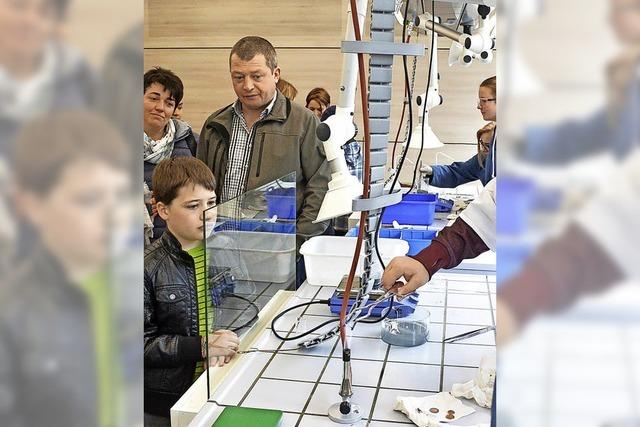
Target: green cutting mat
(235, 416)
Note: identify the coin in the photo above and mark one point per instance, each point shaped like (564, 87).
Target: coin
(451, 411)
(450, 416)
(434, 410)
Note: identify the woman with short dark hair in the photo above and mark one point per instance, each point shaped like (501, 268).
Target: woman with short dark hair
(164, 136)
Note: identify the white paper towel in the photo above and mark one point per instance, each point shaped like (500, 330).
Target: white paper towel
(480, 388)
(419, 409)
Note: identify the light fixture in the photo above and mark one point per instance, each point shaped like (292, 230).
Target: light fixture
(479, 44)
(343, 187)
(426, 102)
(431, 140)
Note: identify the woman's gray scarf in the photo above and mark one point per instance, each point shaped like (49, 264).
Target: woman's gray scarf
(156, 151)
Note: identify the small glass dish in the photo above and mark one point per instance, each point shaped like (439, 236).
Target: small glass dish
(409, 331)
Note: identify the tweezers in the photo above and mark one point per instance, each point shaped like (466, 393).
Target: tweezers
(469, 334)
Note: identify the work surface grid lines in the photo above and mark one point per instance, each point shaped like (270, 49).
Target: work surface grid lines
(563, 371)
(303, 384)
(237, 312)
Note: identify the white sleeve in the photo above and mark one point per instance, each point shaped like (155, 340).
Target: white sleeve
(612, 216)
(480, 215)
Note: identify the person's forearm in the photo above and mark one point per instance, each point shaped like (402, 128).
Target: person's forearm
(452, 245)
(559, 272)
(457, 173)
(169, 351)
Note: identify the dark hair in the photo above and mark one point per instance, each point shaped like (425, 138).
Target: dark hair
(173, 173)
(288, 90)
(248, 47)
(50, 143)
(491, 84)
(320, 95)
(61, 7)
(166, 78)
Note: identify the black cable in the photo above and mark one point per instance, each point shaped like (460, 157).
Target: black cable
(255, 316)
(464, 8)
(328, 322)
(404, 107)
(409, 96)
(381, 318)
(304, 334)
(424, 110)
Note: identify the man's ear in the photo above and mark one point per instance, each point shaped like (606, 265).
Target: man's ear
(276, 74)
(163, 210)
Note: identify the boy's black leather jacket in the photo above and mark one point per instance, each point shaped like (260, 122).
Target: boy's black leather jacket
(171, 341)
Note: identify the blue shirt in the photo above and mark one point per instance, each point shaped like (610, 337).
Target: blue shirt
(458, 173)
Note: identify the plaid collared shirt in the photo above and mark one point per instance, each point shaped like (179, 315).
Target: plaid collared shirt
(240, 152)
(353, 156)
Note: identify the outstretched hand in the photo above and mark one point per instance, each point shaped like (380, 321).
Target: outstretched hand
(413, 271)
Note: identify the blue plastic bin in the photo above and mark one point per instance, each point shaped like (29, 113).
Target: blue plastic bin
(414, 209)
(516, 198)
(268, 227)
(260, 226)
(511, 257)
(417, 239)
(444, 205)
(282, 203)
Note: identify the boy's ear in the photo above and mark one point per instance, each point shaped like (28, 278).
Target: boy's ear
(163, 210)
(30, 205)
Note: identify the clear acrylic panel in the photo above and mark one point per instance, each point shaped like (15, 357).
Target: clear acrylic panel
(250, 254)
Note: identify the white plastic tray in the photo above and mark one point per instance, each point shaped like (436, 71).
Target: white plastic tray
(328, 258)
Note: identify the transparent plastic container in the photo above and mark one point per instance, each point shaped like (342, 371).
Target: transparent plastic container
(410, 331)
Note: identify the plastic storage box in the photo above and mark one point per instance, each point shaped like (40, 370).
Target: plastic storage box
(282, 203)
(254, 256)
(516, 195)
(414, 209)
(513, 256)
(328, 258)
(417, 239)
(444, 205)
(259, 226)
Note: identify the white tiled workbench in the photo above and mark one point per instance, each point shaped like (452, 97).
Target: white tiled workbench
(304, 384)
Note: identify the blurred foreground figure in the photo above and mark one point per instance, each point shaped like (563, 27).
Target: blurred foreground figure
(599, 246)
(570, 315)
(62, 331)
(39, 72)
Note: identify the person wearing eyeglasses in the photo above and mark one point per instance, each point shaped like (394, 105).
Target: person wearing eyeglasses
(482, 166)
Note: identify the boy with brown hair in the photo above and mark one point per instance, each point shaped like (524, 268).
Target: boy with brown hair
(174, 281)
(61, 296)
